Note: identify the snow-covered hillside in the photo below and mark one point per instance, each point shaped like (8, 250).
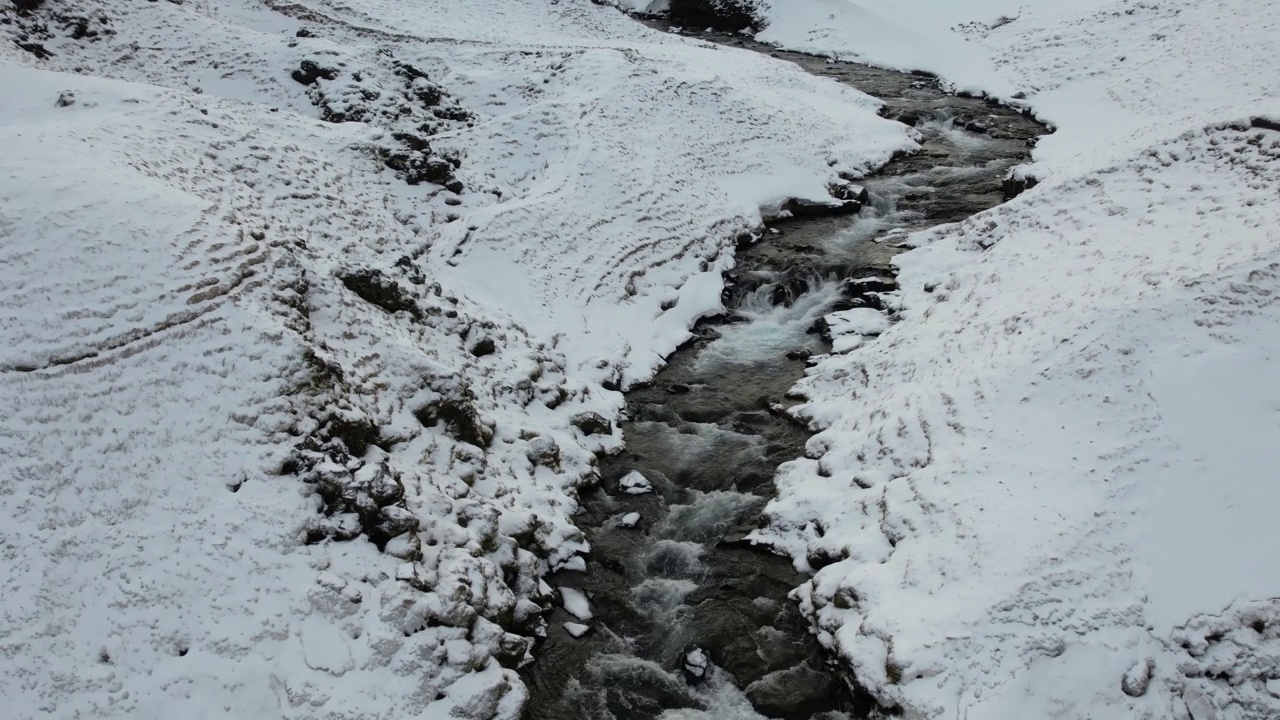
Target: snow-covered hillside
(1049, 486)
(313, 315)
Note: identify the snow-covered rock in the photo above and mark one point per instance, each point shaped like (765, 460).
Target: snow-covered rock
(634, 483)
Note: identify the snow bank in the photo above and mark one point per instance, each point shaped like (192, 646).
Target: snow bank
(1044, 492)
(308, 314)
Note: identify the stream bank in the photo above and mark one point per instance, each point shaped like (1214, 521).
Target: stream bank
(686, 618)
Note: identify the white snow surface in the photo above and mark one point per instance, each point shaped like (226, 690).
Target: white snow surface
(182, 368)
(1061, 462)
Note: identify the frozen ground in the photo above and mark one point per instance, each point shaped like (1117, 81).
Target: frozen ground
(285, 435)
(1056, 475)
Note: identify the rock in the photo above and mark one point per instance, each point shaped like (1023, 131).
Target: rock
(1138, 678)
(592, 423)
(512, 650)
(629, 520)
(375, 287)
(859, 287)
(633, 483)
(697, 666)
(727, 15)
(797, 692)
(309, 72)
(65, 99)
(801, 354)
(484, 347)
(810, 209)
(304, 33)
(678, 388)
(1013, 186)
(543, 451)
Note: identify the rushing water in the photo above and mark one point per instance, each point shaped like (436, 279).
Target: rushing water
(709, 433)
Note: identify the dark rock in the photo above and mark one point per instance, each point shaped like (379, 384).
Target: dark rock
(65, 99)
(591, 423)
(810, 209)
(461, 420)
(357, 434)
(795, 693)
(308, 73)
(484, 347)
(454, 186)
(802, 354)
(375, 287)
(727, 15)
(304, 33)
(859, 287)
(36, 49)
(1263, 123)
(27, 5)
(678, 388)
(1012, 187)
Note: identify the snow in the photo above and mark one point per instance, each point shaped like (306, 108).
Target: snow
(629, 520)
(576, 630)
(576, 603)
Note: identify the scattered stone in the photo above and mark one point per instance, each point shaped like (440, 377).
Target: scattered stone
(678, 388)
(629, 520)
(633, 483)
(66, 98)
(484, 347)
(576, 630)
(801, 354)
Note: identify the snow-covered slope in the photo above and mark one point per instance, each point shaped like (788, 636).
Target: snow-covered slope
(239, 333)
(1053, 477)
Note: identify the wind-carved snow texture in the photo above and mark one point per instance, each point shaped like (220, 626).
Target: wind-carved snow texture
(294, 410)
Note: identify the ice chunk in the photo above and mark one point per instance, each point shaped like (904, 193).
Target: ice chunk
(576, 629)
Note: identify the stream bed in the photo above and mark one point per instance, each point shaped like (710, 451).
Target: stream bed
(687, 618)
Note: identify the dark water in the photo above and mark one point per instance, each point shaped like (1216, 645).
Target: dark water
(709, 434)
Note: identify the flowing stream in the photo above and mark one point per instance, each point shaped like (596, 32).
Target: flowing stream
(687, 618)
